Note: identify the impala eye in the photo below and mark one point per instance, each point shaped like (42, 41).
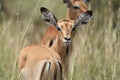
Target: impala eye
(76, 7)
(59, 29)
(73, 29)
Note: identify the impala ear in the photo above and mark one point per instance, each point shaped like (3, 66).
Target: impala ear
(48, 17)
(86, 0)
(83, 19)
(67, 2)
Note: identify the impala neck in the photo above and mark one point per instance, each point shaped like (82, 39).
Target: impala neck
(71, 14)
(59, 47)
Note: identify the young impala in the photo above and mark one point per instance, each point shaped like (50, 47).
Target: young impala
(66, 30)
(75, 8)
(36, 62)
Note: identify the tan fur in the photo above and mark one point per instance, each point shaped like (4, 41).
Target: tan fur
(30, 55)
(58, 45)
(50, 33)
(72, 14)
(38, 62)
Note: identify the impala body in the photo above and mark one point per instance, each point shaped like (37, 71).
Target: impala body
(42, 63)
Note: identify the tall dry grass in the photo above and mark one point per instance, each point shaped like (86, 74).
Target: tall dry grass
(96, 54)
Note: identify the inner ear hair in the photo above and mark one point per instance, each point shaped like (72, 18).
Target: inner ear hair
(48, 16)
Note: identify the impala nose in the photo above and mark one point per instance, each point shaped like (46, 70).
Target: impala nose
(67, 39)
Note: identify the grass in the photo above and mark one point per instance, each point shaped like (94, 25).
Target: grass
(96, 54)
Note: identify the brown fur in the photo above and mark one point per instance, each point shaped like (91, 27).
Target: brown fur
(41, 63)
(72, 14)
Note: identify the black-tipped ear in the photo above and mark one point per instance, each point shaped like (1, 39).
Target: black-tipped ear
(86, 0)
(83, 19)
(67, 2)
(48, 17)
(43, 9)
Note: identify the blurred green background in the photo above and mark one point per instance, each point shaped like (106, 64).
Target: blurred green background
(96, 54)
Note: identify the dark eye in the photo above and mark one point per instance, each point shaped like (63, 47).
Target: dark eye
(73, 29)
(59, 29)
(76, 7)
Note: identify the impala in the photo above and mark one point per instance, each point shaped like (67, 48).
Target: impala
(66, 30)
(75, 8)
(41, 62)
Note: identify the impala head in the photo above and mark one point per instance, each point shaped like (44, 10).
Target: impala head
(76, 7)
(66, 28)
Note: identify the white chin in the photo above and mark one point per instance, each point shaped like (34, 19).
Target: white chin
(66, 42)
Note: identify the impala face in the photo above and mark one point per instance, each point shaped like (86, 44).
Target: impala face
(76, 6)
(66, 28)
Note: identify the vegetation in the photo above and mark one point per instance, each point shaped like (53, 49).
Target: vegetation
(96, 54)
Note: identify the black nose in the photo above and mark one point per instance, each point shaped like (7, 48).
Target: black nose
(89, 13)
(67, 38)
